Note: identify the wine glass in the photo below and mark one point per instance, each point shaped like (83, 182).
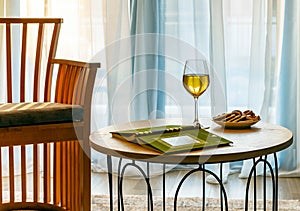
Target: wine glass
(195, 81)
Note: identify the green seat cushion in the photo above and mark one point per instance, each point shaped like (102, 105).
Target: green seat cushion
(17, 114)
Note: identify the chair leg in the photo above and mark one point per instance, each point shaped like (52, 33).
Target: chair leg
(86, 183)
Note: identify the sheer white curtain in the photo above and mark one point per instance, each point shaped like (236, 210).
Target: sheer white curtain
(124, 83)
(81, 35)
(240, 38)
(237, 37)
(262, 70)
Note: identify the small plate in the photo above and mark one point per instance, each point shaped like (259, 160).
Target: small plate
(236, 125)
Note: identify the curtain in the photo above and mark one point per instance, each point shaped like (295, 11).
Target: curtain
(263, 73)
(138, 73)
(114, 85)
(148, 62)
(134, 64)
(288, 91)
(242, 40)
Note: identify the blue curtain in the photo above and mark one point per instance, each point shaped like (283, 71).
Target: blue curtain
(287, 103)
(148, 62)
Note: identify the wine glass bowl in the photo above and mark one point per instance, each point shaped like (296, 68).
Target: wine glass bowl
(196, 81)
(195, 84)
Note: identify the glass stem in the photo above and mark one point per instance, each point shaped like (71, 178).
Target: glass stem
(196, 121)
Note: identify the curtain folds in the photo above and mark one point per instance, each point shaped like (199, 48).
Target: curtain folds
(116, 59)
(134, 64)
(243, 41)
(262, 71)
(148, 61)
(217, 57)
(288, 91)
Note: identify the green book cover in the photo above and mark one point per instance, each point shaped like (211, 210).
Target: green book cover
(172, 138)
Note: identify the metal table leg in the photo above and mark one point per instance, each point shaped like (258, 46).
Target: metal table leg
(202, 169)
(274, 178)
(110, 182)
(147, 180)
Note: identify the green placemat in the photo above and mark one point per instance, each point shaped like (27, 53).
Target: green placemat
(172, 138)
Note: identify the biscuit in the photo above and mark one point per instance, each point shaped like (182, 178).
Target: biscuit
(237, 116)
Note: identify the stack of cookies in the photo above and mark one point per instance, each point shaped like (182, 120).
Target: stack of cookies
(237, 116)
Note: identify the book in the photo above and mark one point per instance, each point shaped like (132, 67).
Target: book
(172, 138)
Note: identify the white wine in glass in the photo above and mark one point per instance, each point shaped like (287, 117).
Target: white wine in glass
(196, 81)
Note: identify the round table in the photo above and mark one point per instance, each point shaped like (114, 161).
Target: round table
(257, 142)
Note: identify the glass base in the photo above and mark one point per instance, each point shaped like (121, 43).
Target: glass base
(197, 124)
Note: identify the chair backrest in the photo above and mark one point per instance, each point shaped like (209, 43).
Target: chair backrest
(30, 45)
(73, 79)
(74, 83)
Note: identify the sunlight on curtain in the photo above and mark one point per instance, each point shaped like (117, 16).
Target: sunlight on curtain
(81, 32)
(233, 35)
(116, 60)
(148, 98)
(199, 34)
(259, 77)
(239, 39)
(288, 91)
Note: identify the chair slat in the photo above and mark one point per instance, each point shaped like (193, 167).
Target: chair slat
(37, 65)
(81, 169)
(11, 174)
(49, 68)
(1, 182)
(69, 175)
(65, 89)
(36, 173)
(63, 175)
(74, 73)
(84, 85)
(76, 175)
(79, 86)
(73, 163)
(59, 83)
(23, 63)
(23, 173)
(47, 173)
(57, 173)
(53, 48)
(8, 64)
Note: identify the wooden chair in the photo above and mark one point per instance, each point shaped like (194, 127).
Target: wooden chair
(53, 119)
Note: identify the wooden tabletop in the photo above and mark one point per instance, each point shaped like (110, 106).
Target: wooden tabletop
(261, 139)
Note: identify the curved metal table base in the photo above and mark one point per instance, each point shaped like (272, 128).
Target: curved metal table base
(274, 180)
(201, 168)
